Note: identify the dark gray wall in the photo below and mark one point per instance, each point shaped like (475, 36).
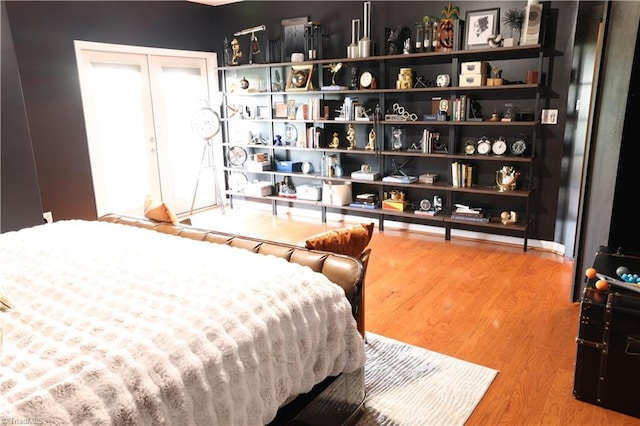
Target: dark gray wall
(43, 35)
(19, 193)
(52, 93)
(609, 162)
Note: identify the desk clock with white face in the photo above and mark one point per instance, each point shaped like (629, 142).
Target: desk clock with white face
(499, 146)
(484, 146)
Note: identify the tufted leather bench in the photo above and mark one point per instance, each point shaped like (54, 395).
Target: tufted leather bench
(346, 271)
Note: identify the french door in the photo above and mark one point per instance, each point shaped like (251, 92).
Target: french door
(138, 103)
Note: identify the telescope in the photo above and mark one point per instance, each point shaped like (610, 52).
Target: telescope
(251, 30)
(255, 46)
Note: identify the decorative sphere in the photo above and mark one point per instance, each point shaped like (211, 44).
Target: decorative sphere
(622, 270)
(602, 285)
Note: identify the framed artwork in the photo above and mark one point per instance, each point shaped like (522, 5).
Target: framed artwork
(480, 25)
(300, 78)
(293, 40)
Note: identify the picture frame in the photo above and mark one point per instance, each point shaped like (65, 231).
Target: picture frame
(293, 40)
(480, 24)
(300, 78)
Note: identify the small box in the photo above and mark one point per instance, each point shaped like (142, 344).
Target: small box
(258, 166)
(476, 67)
(428, 178)
(470, 80)
(365, 175)
(309, 192)
(337, 194)
(288, 166)
(259, 189)
(398, 205)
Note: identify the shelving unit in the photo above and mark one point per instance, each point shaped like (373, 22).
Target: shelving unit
(251, 121)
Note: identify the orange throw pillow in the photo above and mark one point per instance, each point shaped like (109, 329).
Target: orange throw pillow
(159, 211)
(350, 241)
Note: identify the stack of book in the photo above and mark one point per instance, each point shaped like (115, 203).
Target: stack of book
(366, 201)
(399, 179)
(462, 174)
(470, 214)
(428, 212)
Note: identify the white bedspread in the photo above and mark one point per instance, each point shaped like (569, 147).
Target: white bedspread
(119, 325)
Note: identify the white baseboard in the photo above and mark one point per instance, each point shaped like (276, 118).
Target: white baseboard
(313, 214)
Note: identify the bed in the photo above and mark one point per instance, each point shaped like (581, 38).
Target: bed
(129, 321)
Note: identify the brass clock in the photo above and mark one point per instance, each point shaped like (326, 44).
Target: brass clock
(469, 147)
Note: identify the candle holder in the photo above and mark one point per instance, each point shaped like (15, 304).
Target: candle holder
(419, 37)
(313, 40)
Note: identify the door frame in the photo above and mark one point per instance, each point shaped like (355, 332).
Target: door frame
(213, 92)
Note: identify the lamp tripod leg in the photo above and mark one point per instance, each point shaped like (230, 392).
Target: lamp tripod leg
(207, 151)
(216, 187)
(195, 191)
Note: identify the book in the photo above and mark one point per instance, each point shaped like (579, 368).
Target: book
(367, 197)
(365, 175)
(364, 205)
(430, 212)
(399, 179)
(469, 214)
(483, 219)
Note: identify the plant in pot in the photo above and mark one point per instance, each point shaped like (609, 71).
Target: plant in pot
(513, 19)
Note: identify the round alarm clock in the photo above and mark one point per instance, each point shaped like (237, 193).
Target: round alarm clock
(499, 146)
(518, 146)
(367, 81)
(483, 146)
(469, 147)
(237, 181)
(306, 167)
(236, 156)
(425, 204)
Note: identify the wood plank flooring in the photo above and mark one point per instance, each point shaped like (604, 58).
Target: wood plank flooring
(486, 303)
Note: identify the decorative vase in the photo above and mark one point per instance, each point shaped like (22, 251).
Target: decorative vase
(365, 45)
(353, 48)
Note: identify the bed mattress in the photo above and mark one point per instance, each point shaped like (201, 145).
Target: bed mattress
(114, 324)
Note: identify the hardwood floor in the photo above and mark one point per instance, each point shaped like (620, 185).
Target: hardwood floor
(486, 303)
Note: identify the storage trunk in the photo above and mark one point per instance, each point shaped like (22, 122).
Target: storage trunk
(608, 355)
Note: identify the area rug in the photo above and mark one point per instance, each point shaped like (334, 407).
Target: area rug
(408, 385)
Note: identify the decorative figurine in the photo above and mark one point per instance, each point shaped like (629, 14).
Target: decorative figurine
(237, 52)
(372, 141)
(351, 137)
(335, 142)
(506, 178)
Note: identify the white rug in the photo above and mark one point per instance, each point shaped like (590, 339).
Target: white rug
(408, 385)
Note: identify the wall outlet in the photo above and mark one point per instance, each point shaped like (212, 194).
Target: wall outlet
(48, 217)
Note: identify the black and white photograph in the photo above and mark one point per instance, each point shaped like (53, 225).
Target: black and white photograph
(481, 24)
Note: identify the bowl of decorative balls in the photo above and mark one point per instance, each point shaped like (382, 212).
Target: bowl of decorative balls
(628, 280)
